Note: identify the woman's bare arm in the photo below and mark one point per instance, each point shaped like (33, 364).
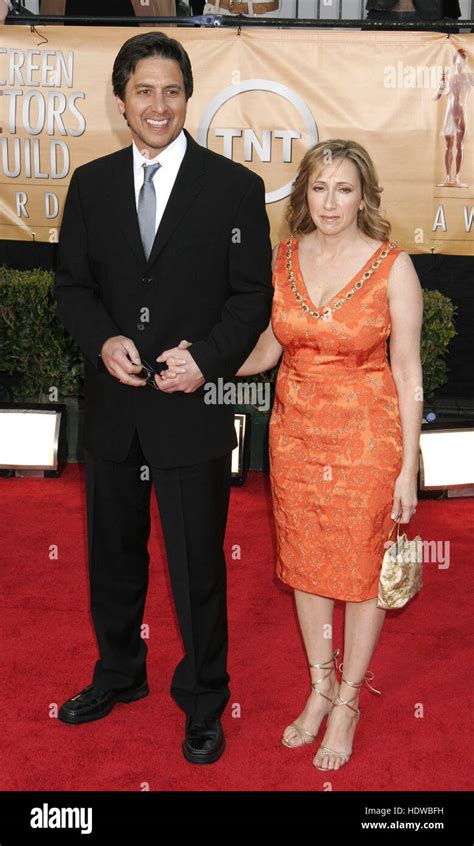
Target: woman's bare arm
(267, 350)
(406, 314)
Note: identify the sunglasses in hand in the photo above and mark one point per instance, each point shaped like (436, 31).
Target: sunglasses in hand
(148, 372)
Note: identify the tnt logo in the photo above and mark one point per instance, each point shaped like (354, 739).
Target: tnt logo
(290, 131)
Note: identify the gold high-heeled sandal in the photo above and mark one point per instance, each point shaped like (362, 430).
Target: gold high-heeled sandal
(328, 667)
(326, 750)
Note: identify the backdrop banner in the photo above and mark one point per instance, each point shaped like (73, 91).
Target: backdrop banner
(261, 98)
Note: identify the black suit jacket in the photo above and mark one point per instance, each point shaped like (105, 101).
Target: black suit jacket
(208, 279)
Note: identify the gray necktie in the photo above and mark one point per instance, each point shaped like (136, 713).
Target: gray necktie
(147, 208)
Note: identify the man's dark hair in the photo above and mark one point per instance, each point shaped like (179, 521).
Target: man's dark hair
(144, 47)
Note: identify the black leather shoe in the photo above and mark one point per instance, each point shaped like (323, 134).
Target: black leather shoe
(89, 704)
(204, 742)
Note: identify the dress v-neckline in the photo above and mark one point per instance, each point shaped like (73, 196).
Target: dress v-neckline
(323, 306)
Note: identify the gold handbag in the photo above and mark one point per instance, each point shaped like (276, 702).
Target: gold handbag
(401, 574)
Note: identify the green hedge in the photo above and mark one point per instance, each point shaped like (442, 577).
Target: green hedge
(438, 330)
(34, 344)
(32, 341)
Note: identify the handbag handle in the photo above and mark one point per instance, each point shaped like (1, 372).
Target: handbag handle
(397, 524)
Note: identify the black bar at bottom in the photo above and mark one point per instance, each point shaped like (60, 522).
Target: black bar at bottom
(328, 812)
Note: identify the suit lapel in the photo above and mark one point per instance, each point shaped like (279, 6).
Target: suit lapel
(188, 183)
(123, 203)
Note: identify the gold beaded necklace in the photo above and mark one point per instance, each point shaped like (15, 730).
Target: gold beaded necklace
(337, 305)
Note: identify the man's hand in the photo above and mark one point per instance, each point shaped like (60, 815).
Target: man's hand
(183, 374)
(122, 360)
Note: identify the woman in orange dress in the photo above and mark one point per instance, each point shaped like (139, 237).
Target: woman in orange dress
(345, 425)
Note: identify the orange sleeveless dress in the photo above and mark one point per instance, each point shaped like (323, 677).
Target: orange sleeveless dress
(335, 434)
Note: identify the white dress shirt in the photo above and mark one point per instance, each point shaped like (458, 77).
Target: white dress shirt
(170, 160)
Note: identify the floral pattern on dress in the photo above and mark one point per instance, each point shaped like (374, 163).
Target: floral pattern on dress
(335, 435)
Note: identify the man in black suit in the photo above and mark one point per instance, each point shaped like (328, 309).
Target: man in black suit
(160, 241)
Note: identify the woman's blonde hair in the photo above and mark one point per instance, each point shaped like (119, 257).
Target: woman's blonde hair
(369, 220)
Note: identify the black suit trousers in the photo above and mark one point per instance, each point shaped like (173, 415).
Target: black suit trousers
(193, 504)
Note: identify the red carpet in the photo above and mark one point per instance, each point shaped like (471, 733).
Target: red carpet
(424, 658)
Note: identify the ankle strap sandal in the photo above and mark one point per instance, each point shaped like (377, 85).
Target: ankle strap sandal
(328, 666)
(369, 676)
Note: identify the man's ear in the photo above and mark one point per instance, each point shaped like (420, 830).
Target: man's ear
(120, 106)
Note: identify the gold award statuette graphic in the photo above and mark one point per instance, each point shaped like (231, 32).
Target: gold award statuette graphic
(456, 85)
